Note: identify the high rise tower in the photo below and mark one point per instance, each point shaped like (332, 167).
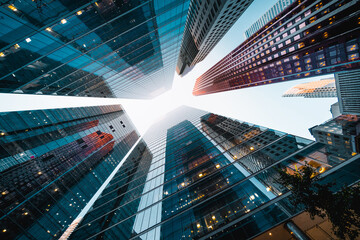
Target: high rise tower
(270, 14)
(309, 38)
(201, 175)
(207, 22)
(348, 90)
(90, 48)
(52, 163)
(318, 89)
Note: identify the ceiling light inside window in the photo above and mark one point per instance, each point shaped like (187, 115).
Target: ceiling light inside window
(12, 7)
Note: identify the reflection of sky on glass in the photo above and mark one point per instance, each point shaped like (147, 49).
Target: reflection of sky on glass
(260, 105)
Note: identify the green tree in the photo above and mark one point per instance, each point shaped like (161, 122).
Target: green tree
(342, 208)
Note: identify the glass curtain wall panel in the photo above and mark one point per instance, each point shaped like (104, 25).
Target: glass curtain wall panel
(202, 175)
(52, 163)
(90, 48)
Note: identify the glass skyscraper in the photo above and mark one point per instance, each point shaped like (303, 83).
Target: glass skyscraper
(309, 38)
(52, 163)
(90, 48)
(198, 175)
(207, 22)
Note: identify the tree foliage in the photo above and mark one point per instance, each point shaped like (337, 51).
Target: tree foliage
(342, 207)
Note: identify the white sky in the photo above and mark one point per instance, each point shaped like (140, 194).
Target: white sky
(260, 105)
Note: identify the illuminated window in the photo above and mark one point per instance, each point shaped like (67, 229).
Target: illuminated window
(312, 19)
(353, 57)
(352, 47)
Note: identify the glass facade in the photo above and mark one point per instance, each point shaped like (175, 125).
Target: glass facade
(197, 175)
(52, 163)
(207, 22)
(87, 48)
(309, 38)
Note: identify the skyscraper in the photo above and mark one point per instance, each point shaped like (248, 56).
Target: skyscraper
(342, 133)
(200, 175)
(348, 90)
(268, 16)
(53, 161)
(308, 38)
(207, 22)
(318, 89)
(90, 48)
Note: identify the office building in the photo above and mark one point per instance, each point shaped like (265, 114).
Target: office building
(199, 175)
(126, 49)
(52, 163)
(348, 90)
(207, 22)
(318, 89)
(309, 38)
(268, 16)
(335, 110)
(343, 130)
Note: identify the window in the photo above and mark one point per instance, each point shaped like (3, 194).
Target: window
(320, 57)
(352, 47)
(354, 56)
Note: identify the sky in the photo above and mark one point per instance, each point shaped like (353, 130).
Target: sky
(262, 105)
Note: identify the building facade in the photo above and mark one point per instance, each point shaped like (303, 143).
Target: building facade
(90, 48)
(343, 130)
(202, 175)
(207, 22)
(309, 38)
(52, 163)
(324, 88)
(348, 90)
(268, 16)
(335, 110)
